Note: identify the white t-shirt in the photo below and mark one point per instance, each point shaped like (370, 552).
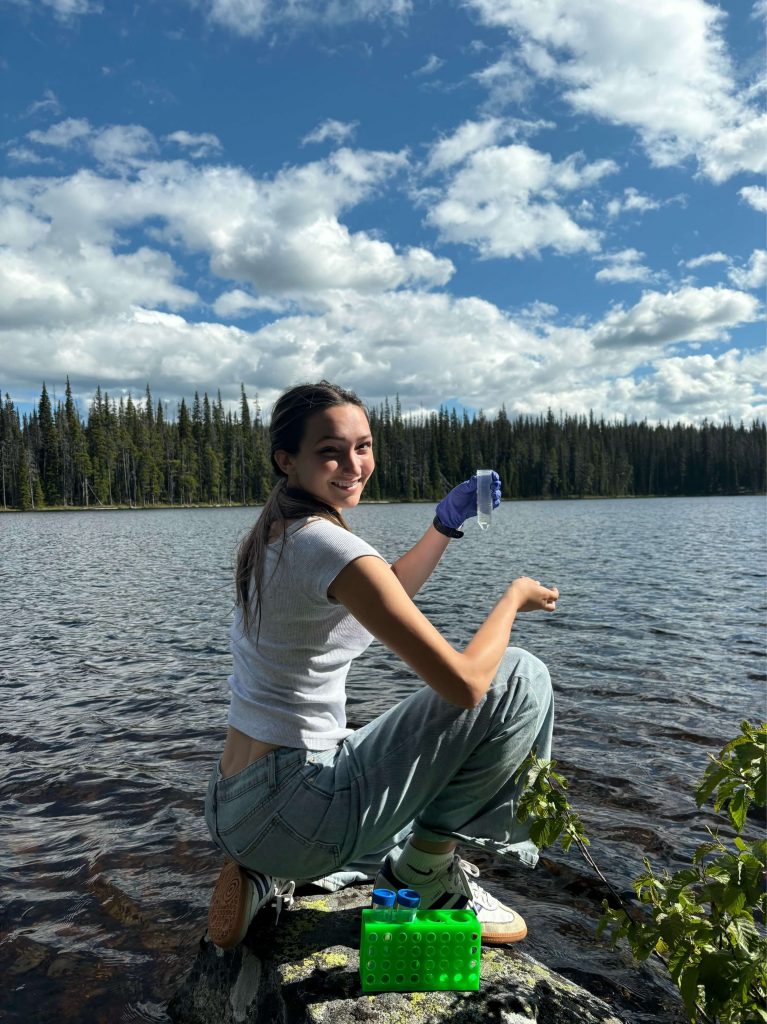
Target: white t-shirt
(290, 689)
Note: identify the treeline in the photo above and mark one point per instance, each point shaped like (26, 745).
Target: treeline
(134, 453)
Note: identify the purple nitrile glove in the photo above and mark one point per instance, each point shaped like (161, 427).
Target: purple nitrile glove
(461, 503)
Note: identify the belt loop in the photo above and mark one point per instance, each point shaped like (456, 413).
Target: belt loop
(270, 772)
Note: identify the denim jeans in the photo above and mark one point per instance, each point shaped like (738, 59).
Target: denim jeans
(424, 766)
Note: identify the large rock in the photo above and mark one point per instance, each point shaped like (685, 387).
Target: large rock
(304, 970)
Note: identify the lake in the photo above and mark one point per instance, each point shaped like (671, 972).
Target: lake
(114, 641)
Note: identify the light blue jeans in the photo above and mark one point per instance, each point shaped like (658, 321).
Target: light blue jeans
(424, 766)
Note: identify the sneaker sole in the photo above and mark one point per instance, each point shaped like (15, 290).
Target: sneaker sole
(503, 938)
(229, 905)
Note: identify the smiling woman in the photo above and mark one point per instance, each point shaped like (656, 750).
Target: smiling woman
(298, 794)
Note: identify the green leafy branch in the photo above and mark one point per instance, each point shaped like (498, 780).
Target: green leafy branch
(701, 920)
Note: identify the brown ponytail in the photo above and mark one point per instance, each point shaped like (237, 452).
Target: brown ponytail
(287, 428)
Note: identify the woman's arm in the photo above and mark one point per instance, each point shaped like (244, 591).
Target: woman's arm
(415, 567)
(377, 599)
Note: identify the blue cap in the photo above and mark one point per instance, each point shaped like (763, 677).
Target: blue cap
(383, 898)
(408, 898)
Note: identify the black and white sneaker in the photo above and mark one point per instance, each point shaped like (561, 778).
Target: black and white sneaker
(237, 898)
(452, 888)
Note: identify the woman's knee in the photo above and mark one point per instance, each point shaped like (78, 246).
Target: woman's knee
(520, 664)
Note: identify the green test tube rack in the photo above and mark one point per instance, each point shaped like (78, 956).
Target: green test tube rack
(436, 952)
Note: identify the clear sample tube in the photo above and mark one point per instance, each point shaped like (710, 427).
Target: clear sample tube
(383, 901)
(484, 497)
(408, 901)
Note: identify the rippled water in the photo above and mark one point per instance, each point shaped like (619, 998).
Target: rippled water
(113, 665)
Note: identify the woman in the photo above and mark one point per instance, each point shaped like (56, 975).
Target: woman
(296, 795)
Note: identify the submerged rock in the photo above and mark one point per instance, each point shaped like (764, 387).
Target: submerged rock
(305, 970)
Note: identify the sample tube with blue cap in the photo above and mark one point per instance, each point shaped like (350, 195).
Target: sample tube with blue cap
(484, 497)
(383, 901)
(408, 901)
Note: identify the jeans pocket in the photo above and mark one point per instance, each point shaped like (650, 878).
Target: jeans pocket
(281, 850)
(300, 832)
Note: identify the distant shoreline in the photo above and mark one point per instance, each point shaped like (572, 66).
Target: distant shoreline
(381, 501)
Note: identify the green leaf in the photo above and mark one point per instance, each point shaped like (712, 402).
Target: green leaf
(737, 809)
(688, 986)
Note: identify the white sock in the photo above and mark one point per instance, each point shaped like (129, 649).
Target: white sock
(414, 863)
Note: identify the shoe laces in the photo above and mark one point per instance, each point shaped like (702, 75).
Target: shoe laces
(459, 873)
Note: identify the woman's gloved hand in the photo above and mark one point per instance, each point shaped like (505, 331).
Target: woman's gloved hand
(461, 503)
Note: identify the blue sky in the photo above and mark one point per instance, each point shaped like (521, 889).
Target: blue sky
(529, 203)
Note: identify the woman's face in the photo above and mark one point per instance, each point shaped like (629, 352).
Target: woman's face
(335, 459)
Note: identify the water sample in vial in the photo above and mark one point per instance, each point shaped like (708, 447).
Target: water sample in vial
(484, 497)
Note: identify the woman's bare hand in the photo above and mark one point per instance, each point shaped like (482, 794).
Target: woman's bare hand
(531, 595)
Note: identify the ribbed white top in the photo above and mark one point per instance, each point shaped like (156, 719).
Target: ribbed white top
(290, 689)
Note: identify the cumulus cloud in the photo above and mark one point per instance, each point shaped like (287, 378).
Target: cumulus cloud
(131, 347)
(687, 315)
(336, 131)
(26, 155)
(508, 201)
(237, 303)
(624, 267)
(697, 387)
(281, 237)
(253, 17)
(632, 201)
(507, 82)
(755, 195)
(754, 274)
(405, 341)
(472, 136)
(62, 134)
(112, 146)
(662, 69)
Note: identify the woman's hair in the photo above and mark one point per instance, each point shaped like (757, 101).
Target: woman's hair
(290, 415)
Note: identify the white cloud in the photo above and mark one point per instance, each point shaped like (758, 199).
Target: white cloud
(122, 144)
(507, 82)
(415, 343)
(697, 387)
(754, 274)
(336, 131)
(132, 348)
(755, 195)
(432, 65)
(44, 286)
(253, 17)
(113, 146)
(465, 140)
(631, 202)
(506, 201)
(472, 136)
(25, 155)
(49, 104)
(68, 9)
(62, 134)
(282, 237)
(687, 315)
(624, 267)
(199, 145)
(709, 257)
(236, 302)
(662, 69)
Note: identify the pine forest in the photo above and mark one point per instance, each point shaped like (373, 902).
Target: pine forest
(136, 454)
